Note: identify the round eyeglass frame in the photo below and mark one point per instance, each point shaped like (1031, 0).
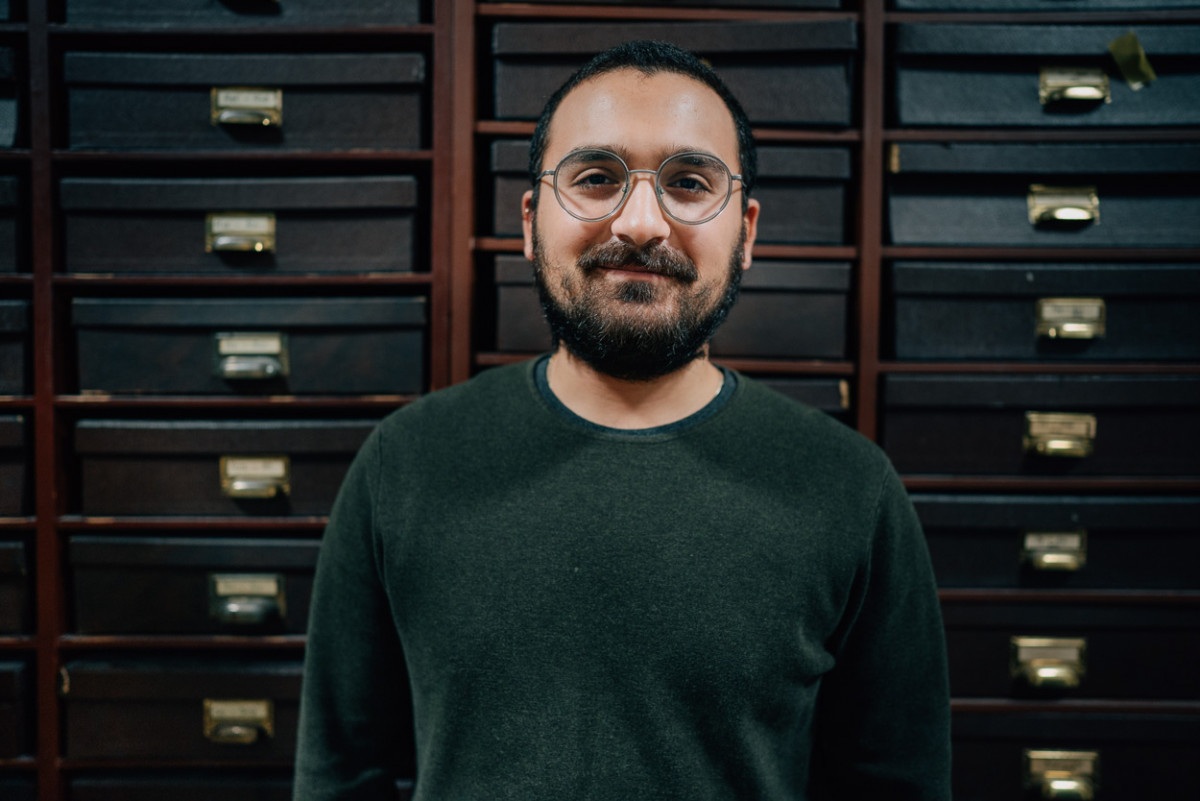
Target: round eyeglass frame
(658, 190)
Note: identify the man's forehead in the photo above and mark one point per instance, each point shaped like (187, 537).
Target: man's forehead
(632, 113)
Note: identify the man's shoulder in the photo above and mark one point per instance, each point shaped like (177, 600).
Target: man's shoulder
(482, 398)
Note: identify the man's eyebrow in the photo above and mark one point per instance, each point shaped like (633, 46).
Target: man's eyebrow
(661, 155)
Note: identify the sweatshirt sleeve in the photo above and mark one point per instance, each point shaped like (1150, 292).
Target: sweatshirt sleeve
(883, 718)
(355, 731)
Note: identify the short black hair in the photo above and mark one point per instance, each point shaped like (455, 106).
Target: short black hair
(649, 58)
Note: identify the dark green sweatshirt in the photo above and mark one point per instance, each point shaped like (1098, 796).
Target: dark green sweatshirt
(739, 606)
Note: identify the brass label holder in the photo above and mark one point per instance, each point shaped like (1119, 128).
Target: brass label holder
(246, 599)
(1071, 318)
(1048, 663)
(1064, 551)
(238, 721)
(1075, 205)
(239, 232)
(1060, 434)
(256, 477)
(250, 355)
(1057, 85)
(1064, 775)
(246, 105)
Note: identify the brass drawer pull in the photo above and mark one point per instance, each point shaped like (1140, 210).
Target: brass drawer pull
(1065, 775)
(1071, 318)
(255, 476)
(1075, 205)
(242, 105)
(1060, 434)
(1073, 85)
(253, 356)
(246, 599)
(1055, 550)
(1048, 663)
(238, 722)
(239, 232)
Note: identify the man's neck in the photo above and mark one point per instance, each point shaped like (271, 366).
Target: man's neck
(615, 403)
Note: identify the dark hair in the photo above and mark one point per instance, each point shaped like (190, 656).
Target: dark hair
(649, 58)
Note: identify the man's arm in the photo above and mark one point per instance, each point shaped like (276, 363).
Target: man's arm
(883, 721)
(355, 734)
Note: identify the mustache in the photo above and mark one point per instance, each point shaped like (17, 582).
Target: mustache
(657, 259)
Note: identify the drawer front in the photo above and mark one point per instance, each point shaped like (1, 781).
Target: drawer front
(16, 589)
(240, 227)
(1124, 652)
(256, 12)
(17, 788)
(169, 710)
(236, 468)
(1035, 312)
(808, 81)
(1103, 542)
(16, 722)
(1133, 755)
(311, 346)
(1042, 425)
(187, 785)
(11, 199)
(15, 486)
(991, 75)
(191, 94)
(161, 585)
(14, 347)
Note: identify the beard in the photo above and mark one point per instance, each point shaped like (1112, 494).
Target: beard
(634, 330)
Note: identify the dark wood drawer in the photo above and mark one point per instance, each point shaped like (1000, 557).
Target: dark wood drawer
(1131, 651)
(191, 585)
(240, 226)
(984, 74)
(1134, 755)
(14, 347)
(325, 101)
(785, 310)
(15, 486)
(214, 467)
(1069, 312)
(267, 13)
(1102, 542)
(18, 788)
(16, 587)
(181, 709)
(16, 720)
(239, 784)
(268, 346)
(782, 72)
(1042, 425)
(11, 235)
(1045, 195)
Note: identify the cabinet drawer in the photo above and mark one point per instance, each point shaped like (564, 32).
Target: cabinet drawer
(804, 192)
(322, 101)
(16, 588)
(781, 72)
(214, 467)
(17, 787)
(251, 345)
(1045, 195)
(1042, 425)
(185, 585)
(10, 236)
(14, 347)
(1030, 311)
(16, 718)
(179, 13)
(240, 226)
(1134, 755)
(1010, 75)
(15, 486)
(785, 310)
(11, 99)
(1103, 542)
(181, 709)
(1112, 651)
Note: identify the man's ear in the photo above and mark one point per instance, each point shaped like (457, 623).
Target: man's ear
(527, 222)
(750, 220)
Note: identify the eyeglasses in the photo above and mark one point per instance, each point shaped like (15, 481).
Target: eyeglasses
(593, 185)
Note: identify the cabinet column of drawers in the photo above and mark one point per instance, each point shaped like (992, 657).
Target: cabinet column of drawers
(1001, 291)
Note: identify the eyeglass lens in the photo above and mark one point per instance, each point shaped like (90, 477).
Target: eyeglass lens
(692, 187)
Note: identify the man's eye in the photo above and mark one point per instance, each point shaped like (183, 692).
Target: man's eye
(688, 184)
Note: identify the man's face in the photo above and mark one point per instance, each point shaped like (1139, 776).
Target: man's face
(638, 295)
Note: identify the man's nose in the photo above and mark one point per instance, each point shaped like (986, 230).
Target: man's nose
(641, 220)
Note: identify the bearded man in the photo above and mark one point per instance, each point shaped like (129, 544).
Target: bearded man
(619, 571)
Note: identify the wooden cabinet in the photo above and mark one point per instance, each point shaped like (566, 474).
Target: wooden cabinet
(309, 150)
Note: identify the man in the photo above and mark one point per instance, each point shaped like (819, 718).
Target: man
(621, 572)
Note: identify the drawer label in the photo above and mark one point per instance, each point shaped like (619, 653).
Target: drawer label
(249, 344)
(239, 232)
(255, 477)
(257, 584)
(238, 721)
(1071, 318)
(256, 467)
(246, 105)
